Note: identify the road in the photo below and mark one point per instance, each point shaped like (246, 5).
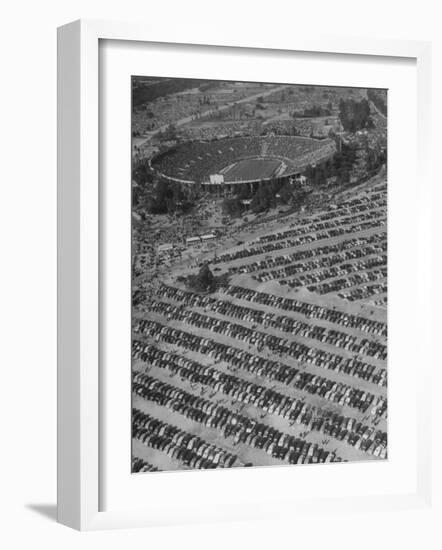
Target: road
(187, 119)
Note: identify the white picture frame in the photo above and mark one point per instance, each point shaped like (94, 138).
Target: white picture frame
(79, 265)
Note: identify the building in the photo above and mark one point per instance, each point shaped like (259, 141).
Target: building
(165, 247)
(192, 240)
(208, 237)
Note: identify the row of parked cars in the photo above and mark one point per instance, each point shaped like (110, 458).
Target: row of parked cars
(341, 394)
(322, 225)
(316, 279)
(372, 201)
(268, 370)
(242, 429)
(140, 465)
(286, 260)
(310, 311)
(263, 341)
(298, 241)
(345, 282)
(321, 262)
(267, 399)
(364, 292)
(187, 448)
(282, 323)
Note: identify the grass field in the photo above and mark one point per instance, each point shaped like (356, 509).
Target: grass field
(252, 169)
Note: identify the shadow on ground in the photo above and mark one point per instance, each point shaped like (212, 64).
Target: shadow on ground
(49, 511)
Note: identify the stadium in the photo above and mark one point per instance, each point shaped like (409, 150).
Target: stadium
(226, 162)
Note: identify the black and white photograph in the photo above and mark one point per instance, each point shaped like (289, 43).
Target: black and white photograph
(259, 274)
(227, 257)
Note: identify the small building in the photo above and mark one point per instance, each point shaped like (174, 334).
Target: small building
(216, 179)
(193, 240)
(208, 237)
(165, 247)
(300, 179)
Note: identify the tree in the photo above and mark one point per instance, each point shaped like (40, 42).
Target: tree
(142, 173)
(286, 193)
(320, 176)
(379, 98)
(299, 197)
(232, 207)
(263, 199)
(204, 281)
(354, 115)
(343, 162)
(205, 277)
(243, 191)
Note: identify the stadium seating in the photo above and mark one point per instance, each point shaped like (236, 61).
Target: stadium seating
(197, 160)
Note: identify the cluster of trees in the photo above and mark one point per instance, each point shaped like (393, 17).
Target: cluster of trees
(166, 198)
(355, 115)
(232, 207)
(142, 173)
(264, 198)
(374, 158)
(339, 166)
(149, 92)
(205, 100)
(169, 134)
(157, 195)
(343, 162)
(313, 112)
(208, 85)
(377, 96)
(267, 195)
(205, 281)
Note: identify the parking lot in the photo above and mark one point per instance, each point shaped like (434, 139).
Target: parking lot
(285, 364)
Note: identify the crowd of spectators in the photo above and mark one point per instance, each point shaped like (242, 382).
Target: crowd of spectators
(197, 160)
(303, 151)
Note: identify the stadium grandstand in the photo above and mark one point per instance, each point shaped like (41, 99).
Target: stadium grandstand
(227, 162)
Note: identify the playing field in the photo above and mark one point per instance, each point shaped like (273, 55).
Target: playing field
(252, 169)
